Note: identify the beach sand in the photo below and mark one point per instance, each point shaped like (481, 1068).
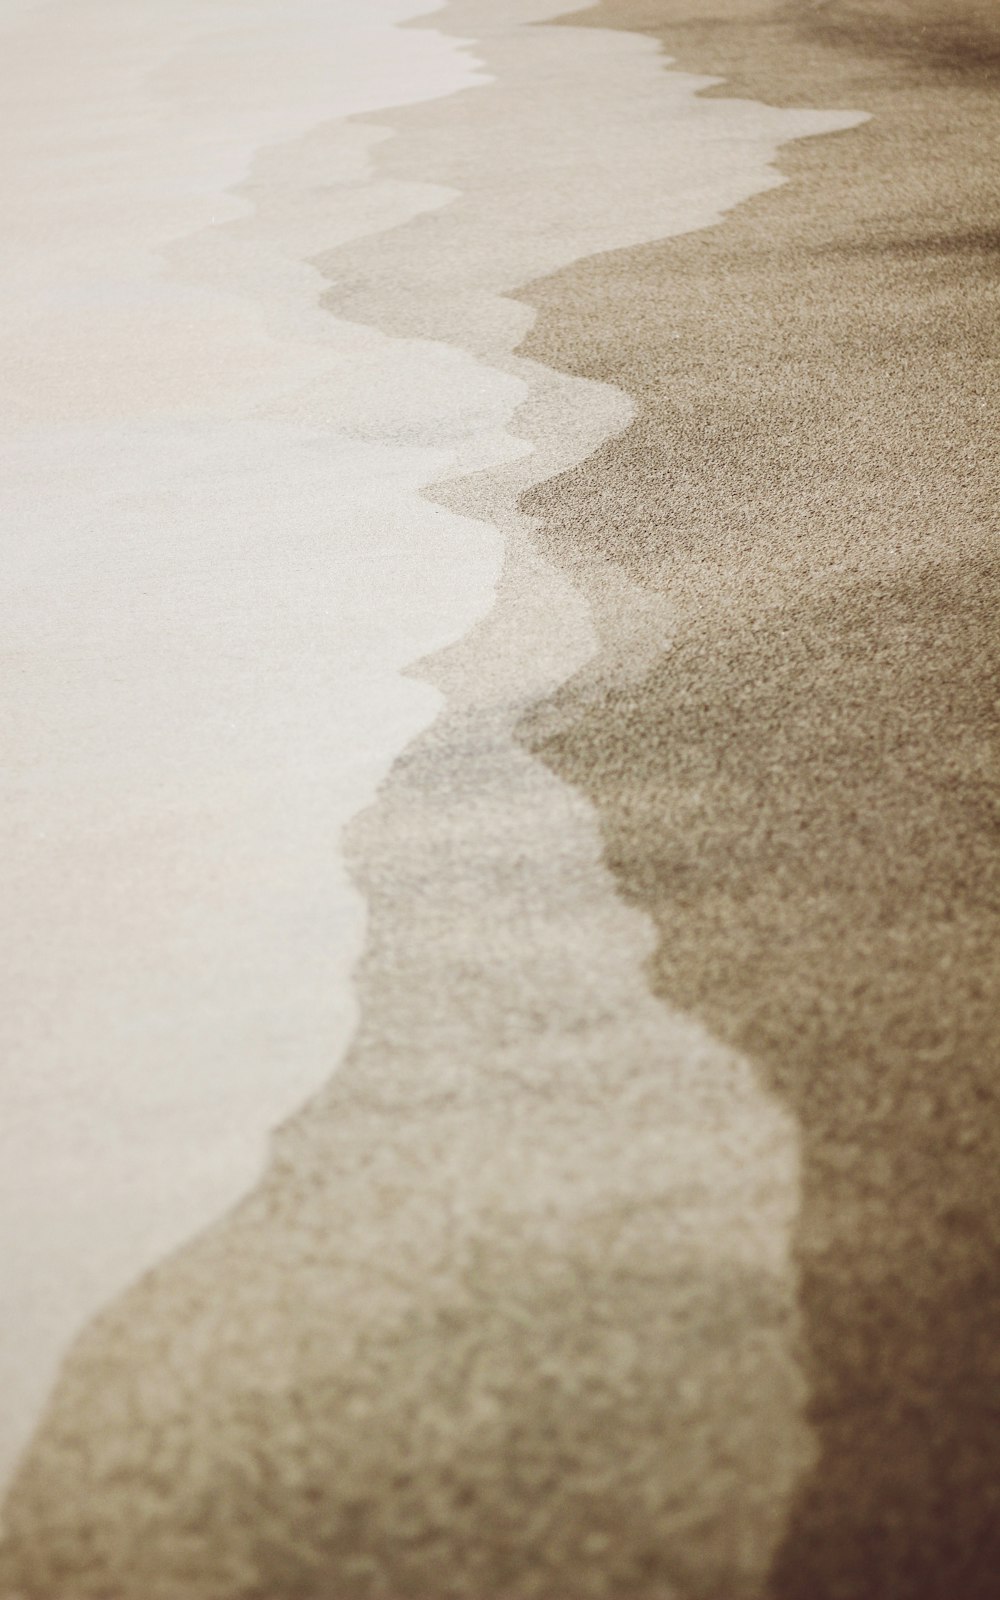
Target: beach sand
(802, 789)
(639, 1247)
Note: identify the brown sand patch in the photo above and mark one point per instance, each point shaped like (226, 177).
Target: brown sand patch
(802, 790)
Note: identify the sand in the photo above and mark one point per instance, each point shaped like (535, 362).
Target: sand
(801, 789)
(203, 616)
(618, 1257)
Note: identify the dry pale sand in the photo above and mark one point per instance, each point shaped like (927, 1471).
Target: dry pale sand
(212, 589)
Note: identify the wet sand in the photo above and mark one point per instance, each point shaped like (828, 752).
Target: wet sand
(802, 789)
